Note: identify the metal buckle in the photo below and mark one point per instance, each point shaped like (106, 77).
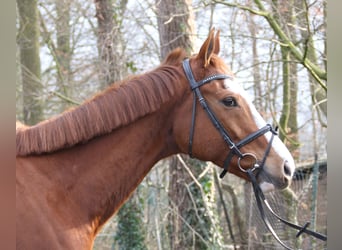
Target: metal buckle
(254, 165)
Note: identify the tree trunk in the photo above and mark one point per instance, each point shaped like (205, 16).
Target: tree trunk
(284, 13)
(63, 50)
(30, 61)
(109, 14)
(238, 214)
(180, 205)
(319, 96)
(256, 67)
(175, 25)
(285, 113)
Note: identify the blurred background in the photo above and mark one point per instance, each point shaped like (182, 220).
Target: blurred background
(68, 50)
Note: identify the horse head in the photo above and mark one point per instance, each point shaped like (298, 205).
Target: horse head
(227, 130)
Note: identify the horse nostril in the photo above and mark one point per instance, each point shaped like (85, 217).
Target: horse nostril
(287, 169)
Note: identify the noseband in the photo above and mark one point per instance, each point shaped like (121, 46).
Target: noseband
(235, 150)
(234, 147)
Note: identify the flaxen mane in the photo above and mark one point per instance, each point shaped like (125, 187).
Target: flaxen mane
(117, 106)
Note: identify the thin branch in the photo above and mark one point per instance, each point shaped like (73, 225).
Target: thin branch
(319, 74)
(194, 203)
(242, 7)
(65, 98)
(316, 72)
(195, 180)
(173, 210)
(307, 39)
(225, 210)
(52, 47)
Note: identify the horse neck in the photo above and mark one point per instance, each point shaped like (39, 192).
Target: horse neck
(102, 173)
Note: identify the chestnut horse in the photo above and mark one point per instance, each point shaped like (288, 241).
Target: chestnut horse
(75, 170)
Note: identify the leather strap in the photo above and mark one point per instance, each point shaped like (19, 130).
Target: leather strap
(260, 197)
(198, 96)
(235, 150)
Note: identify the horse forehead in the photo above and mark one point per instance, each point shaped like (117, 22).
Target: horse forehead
(234, 86)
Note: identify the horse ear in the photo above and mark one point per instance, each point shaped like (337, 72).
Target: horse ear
(209, 47)
(217, 43)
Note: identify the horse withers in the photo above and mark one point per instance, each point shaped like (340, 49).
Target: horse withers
(75, 170)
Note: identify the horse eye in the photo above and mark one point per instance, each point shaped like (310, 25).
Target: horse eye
(229, 102)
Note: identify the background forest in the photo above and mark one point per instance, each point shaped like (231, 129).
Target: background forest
(68, 50)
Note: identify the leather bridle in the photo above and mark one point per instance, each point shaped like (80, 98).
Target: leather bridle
(234, 147)
(235, 150)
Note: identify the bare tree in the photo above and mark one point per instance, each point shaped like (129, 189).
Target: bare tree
(110, 14)
(285, 16)
(300, 55)
(63, 50)
(319, 96)
(256, 66)
(175, 25)
(28, 41)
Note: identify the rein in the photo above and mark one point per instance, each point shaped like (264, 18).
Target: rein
(260, 197)
(235, 150)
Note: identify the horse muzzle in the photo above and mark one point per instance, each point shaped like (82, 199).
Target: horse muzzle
(269, 182)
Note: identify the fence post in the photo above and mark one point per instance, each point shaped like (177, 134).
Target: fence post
(314, 197)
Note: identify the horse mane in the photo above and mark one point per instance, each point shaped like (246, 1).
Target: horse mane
(20, 126)
(117, 106)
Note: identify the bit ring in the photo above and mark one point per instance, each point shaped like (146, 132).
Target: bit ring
(251, 156)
